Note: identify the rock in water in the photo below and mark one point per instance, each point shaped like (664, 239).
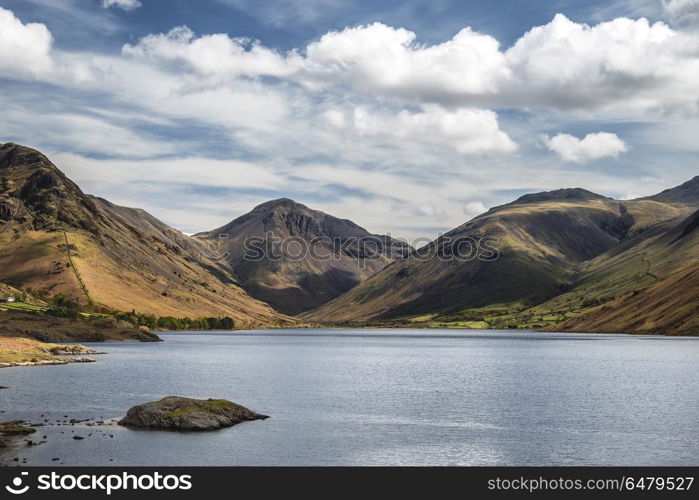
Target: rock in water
(177, 413)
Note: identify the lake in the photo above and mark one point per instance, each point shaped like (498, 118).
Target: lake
(377, 397)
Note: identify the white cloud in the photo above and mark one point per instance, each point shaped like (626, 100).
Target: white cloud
(683, 12)
(630, 196)
(27, 53)
(25, 49)
(590, 147)
(123, 4)
(368, 119)
(430, 210)
(567, 65)
(474, 208)
(466, 131)
(212, 54)
(561, 65)
(389, 59)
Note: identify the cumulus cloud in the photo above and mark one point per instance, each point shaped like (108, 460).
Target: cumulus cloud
(465, 130)
(221, 90)
(591, 147)
(567, 65)
(27, 53)
(123, 4)
(216, 54)
(25, 49)
(561, 65)
(389, 59)
(368, 116)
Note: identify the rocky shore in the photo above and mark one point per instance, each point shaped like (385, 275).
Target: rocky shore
(18, 351)
(47, 362)
(14, 428)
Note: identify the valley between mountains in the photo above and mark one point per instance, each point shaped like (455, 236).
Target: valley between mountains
(565, 260)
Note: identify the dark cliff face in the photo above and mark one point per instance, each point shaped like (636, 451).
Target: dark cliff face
(303, 257)
(690, 226)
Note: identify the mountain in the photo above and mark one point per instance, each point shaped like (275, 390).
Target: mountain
(687, 193)
(543, 240)
(650, 287)
(297, 258)
(661, 250)
(55, 239)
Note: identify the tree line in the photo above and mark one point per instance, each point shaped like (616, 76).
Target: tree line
(171, 323)
(66, 307)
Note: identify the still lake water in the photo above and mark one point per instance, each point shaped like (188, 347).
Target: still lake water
(378, 397)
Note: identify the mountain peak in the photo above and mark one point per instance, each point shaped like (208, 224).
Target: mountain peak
(687, 192)
(334, 254)
(558, 195)
(280, 202)
(39, 195)
(15, 155)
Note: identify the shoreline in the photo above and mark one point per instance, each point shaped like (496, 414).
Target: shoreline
(22, 351)
(425, 327)
(47, 362)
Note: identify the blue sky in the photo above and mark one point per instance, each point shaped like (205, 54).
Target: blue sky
(407, 117)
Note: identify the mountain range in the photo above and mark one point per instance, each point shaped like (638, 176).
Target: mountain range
(55, 239)
(555, 252)
(568, 260)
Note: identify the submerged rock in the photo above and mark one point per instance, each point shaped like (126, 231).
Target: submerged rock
(177, 413)
(13, 429)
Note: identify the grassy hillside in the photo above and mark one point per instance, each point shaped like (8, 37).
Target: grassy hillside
(46, 328)
(668, 307)
(545, 242)
(637, 264)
